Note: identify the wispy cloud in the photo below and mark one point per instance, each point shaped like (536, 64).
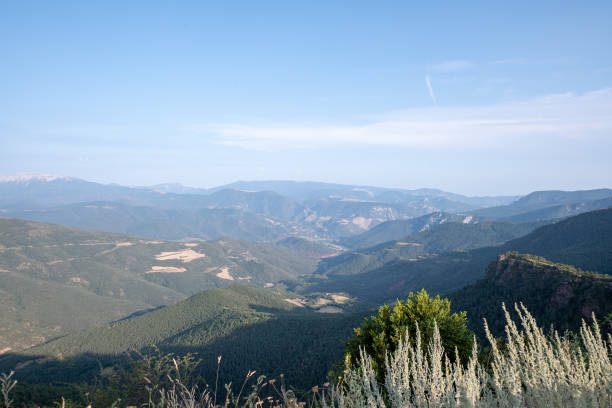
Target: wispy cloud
(431, 92)
(452, 66)
(510, 61)
(548, 119)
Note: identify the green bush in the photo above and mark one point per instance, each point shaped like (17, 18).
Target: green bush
(380, 335)
(533, 370)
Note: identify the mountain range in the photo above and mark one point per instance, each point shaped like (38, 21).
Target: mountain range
(271, 210)
(374, 277)
(274, 275)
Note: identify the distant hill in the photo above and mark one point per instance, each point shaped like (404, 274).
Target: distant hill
(554, 293)
(266, 203)
(399, 229)
(156, 223)
(549, 200)
(375, 276)
(312, 191)
(339, 217)
(251, 328)
(584, 240)
(263, 211)
(436, 239)
(268, 210)
(310, 248)
(40, 191)
(175, 188)
(454, 236)
(55, 279)
(562, 211)
(546, 198)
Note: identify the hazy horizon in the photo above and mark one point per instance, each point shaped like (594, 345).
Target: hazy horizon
(477, 99)
(26, 175)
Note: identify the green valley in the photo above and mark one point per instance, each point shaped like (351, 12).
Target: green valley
(55, 280)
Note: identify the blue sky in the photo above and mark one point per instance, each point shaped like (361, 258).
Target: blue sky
(470, 97)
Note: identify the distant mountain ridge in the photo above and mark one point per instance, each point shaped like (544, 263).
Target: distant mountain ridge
(382, 274)
(561, 211)
(159, 223)
(268, 210)
(437, 239)
(398, 229)
(28, 177)
(544, 198)
(310, 190)
(317, 210)
(541, 205)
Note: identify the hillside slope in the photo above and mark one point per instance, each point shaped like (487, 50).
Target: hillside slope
(584, 241)
(542, 205)
(57, 279)
(252, 328)
(159, 223)
(437, 239)
(399, 229)
(554, 293)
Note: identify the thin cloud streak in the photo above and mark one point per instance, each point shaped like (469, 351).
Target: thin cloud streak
(549, 119)
(452, 66)
(431, 92)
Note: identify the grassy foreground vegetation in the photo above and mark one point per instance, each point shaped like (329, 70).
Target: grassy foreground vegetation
(528, 369)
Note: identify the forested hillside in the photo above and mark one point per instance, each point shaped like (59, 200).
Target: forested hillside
(160, 223)
(584, 241)
(398, 229)
(253, 329)
(437, 239)
(556, 294)
(54, 280)
(543, 205)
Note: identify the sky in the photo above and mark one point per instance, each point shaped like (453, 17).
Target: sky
(479, 98)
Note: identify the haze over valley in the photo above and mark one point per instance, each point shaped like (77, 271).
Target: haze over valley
(90, 254)
(319, 204)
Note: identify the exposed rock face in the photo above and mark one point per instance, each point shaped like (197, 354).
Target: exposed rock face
(555, 294)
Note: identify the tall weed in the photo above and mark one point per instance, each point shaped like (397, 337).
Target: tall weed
(534, 370)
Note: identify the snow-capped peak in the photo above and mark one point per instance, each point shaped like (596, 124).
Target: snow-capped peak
(26, 177)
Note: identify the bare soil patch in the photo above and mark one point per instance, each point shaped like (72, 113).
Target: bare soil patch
(185, 255)
(329, 309)
(166, 269)
(224, 274)
(339, 298)
(295, 302)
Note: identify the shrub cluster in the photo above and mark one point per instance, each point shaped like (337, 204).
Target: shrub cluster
(533, 370)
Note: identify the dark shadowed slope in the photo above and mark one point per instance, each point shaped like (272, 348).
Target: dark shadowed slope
(554, 293)
(584, 241)
(253, 329)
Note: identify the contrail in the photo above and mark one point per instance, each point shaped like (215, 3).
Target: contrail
(431, 92)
